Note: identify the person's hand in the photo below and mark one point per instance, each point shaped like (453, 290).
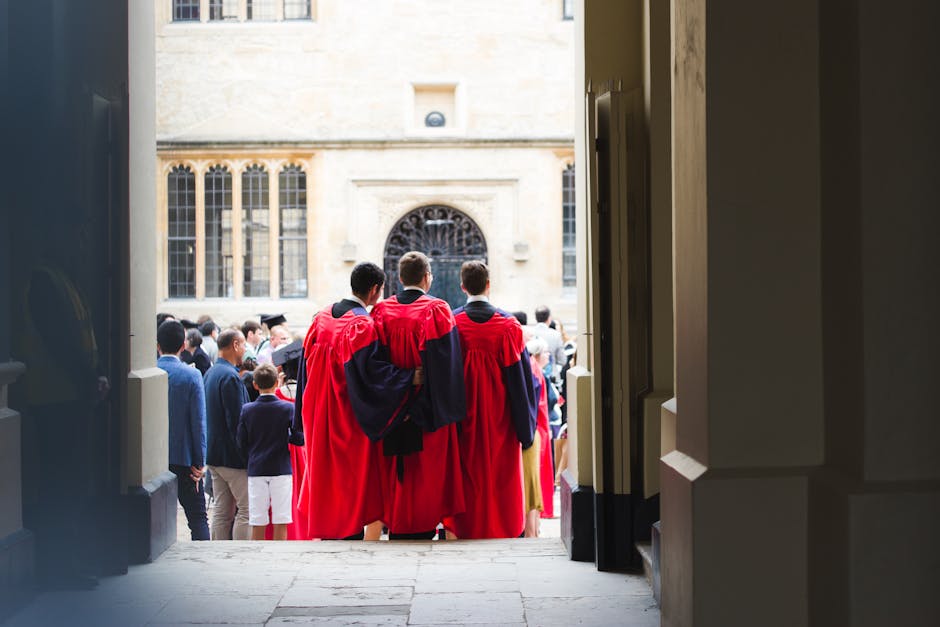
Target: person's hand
(196, 473)
(419, 376)
(281, 379)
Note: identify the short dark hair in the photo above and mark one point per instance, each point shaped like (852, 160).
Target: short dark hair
(163, 317)
(227, 338)
(250, 325)
(364, 277)
(170, 336)
(521, 316)
(194, 337)
(207, 327)
(542, 313)
(412, 267)
(265, 376)
(473, 277)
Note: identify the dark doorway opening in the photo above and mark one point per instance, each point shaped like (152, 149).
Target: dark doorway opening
(446, 235)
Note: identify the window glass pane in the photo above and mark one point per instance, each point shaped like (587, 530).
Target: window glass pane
(568, 270)
(296, 9)
(292, 201)
(185, 10)
(567, 9)
(223, 10)
(218, 232)
(181, 233)
(255, 231)
(261, 10)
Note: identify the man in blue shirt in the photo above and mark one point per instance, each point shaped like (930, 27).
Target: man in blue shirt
(187, 441)
(225, 395)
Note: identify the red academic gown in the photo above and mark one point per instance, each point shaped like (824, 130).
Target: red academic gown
(501, 418)
(422, 487)
(347, 390)
(546, 470)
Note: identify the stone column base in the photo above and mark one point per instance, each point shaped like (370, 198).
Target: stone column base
(151, 518)
(577, 518)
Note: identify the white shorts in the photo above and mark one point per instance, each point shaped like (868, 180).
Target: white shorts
(273, 492)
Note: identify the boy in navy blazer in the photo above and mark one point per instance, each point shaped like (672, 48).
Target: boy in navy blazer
(264, 430)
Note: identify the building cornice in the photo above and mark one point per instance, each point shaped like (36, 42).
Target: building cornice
(251, 146)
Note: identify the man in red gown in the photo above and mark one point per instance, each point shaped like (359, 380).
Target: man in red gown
(347, 390)
(501, 412)
(422, 482)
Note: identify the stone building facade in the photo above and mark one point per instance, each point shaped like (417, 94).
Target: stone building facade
(296, 139)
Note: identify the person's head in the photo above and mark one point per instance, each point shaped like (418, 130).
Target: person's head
(252, 332)
(367, 281)
(280, 336)
(209, 329)
(193, 340)
(538, 348)
(414, 268)
(521, 316)
(231, 346)
(475, 278)
(170, 337)
(265, 378)
(163, 317)
(543, 314)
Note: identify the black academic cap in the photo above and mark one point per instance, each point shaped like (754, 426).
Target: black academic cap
(290, 352)
(272, 320)
(188, 324)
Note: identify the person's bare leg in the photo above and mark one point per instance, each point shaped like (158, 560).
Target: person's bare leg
(373, 531)
(450, 535)
(532, 524)
(257, 532)
(280, 531)
(563, 460)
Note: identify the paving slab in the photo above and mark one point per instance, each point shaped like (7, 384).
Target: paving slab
(219, 609)
(311, 594)
(620, 611)
(466, 608)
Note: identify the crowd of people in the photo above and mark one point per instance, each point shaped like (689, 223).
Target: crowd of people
(397, 416)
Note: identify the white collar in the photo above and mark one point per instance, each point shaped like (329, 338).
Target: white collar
(479, 298)
(414, 287)
(358, 300)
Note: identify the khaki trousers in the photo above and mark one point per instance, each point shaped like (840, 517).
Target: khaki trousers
(230, 491)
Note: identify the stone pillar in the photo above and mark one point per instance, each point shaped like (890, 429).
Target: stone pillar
(875, 508)
(749, 361)
(151, 488)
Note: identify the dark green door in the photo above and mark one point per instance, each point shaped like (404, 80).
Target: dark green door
(446, 235)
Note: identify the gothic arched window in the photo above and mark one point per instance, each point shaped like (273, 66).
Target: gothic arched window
(292, 205)
(181, 232)
(255, 216)
(218, 232)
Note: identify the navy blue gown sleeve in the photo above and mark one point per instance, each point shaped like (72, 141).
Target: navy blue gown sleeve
(523, 398)
(443, 391)
(378, 389)
(297, 424)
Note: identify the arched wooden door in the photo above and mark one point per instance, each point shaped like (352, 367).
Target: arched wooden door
(448, 236)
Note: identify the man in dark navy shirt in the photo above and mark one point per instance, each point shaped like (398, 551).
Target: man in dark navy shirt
(263, 434)
(225, 395)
